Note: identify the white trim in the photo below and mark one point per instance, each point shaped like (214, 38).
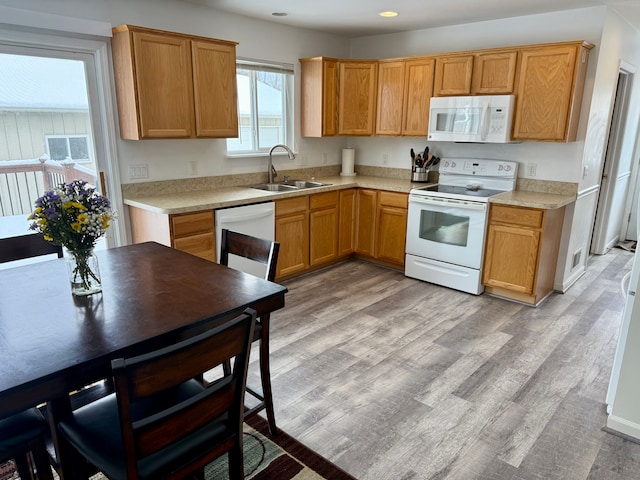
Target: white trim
(49, 21)
(621, 425)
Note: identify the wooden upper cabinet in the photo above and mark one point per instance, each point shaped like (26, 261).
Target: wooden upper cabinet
(549, 92)
(404, 91)
(170, 85)
(418, 90)
(494, 73)
(453, 75)
(319, 86)
(357, 97)
(215, 93)
(391, 79)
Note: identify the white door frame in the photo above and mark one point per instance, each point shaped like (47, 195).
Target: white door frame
(96, 55)
(600, 244)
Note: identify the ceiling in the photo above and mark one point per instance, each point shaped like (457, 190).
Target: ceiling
(357, 18)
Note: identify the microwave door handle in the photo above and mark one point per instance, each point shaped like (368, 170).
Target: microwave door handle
(484, 127)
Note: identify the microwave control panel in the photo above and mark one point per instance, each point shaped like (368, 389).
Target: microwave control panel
(497, 120)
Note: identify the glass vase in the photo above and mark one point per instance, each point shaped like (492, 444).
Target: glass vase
(84, 273)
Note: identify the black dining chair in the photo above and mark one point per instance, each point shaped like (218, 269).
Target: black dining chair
(21, 434)
(26, 246)
(162, 422)
(25, 432)
(266, 253)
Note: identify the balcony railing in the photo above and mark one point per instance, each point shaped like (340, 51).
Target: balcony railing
(23, 181)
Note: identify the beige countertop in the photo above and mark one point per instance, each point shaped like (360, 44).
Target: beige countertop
(193, 201)
(221, 197)
(524, 198)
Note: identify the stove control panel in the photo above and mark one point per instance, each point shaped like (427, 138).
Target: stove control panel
(479, 166)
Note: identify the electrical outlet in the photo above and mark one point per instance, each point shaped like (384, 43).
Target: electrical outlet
(385, 159)
(138, 171)
(193, 168)
(303, 160)
(532, 169)
(324, 158)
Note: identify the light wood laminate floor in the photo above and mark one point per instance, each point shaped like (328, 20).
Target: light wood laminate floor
(396, 379)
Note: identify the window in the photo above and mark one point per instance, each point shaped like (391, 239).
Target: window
(265, 98)
(75, 147)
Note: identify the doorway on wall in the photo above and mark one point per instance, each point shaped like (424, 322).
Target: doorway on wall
(55, 123)
(610, 218)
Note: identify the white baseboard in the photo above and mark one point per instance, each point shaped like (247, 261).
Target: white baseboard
(566, 283)
(623, 426)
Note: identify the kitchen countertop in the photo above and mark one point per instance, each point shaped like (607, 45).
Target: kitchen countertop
(193, 201)
(197, 200)
(523, 198)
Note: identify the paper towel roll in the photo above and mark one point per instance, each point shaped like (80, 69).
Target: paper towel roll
(348, 160)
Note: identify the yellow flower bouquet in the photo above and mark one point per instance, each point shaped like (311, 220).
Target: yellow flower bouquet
(75, 216)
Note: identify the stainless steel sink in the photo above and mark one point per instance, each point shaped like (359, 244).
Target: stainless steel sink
(275, 187)
(306, 184)
(289, 186)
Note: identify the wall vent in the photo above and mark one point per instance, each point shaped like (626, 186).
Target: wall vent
(576, 258)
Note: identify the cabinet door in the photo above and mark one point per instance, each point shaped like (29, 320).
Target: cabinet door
(494, 73)
(347, 222)
(164, 85)
(392, 234)
(417, 95)
(544, 93)
(511, 258)
(366, 223)
(357, 98)
(391, 77)
(319, 97)
(202, 245)
(323, 235)
(453, 75)
(329, 98)
(216, 97)
(292, 231)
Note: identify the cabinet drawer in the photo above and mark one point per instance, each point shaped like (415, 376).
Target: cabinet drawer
(192, 223)
(526, 217)
(292, 205)
(392, 199)
(323, 200)
(202, 245)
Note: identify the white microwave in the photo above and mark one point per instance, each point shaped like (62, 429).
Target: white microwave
(485, 118)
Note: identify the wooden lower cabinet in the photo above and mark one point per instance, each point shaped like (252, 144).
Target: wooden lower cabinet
(292, 232)
(522, 252)
(347, 222)
(391, 227)
(189, 232)
(382, 225)
(366, 207)
(323, 228)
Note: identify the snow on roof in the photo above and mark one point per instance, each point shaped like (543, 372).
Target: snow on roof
(39, 82)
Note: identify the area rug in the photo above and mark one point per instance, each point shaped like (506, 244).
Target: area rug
(280, 457)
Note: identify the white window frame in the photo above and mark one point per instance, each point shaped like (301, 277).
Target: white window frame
(288, 115)
(67, 137)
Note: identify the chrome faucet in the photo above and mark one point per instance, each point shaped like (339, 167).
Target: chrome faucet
(272, 171)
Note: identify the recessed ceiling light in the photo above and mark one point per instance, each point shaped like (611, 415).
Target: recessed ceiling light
(279, 14)
(388, 14)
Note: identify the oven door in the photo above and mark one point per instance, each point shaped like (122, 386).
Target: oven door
(447, 230)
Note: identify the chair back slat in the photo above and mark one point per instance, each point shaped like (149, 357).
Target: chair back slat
(173, 414)
(26, 246)
(253, 248)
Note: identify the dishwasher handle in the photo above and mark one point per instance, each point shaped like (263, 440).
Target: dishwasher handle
(237, 218)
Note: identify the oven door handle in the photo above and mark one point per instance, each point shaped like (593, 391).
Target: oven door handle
(463, 204)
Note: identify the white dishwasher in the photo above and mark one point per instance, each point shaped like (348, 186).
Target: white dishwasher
(258, 220)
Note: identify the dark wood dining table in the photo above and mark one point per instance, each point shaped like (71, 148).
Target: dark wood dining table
(52, 343)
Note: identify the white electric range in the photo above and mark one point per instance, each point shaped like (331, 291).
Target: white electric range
(447, 222)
